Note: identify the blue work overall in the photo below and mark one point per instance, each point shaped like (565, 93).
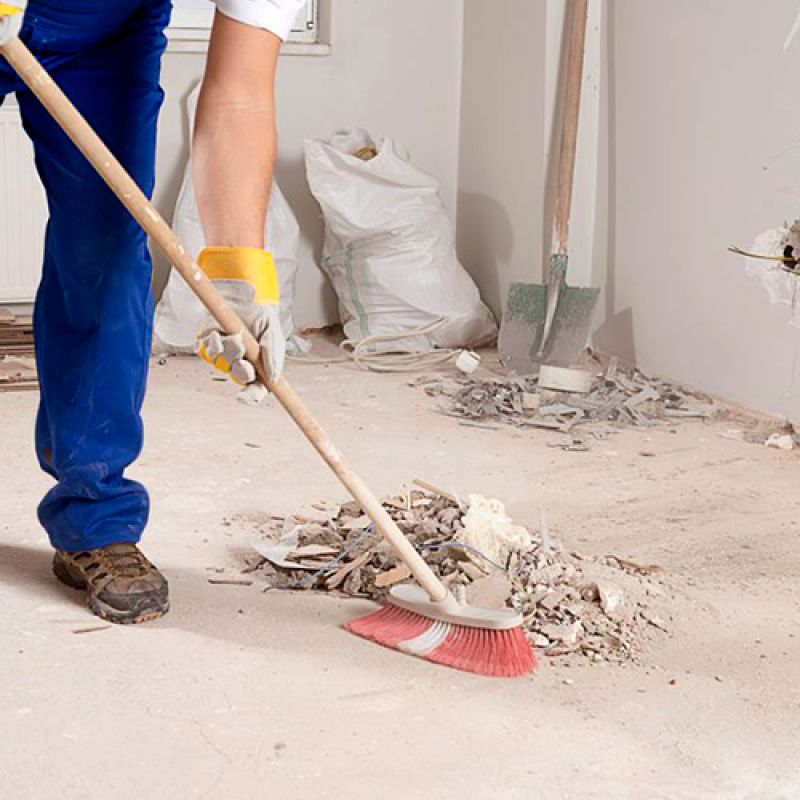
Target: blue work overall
(93, 313)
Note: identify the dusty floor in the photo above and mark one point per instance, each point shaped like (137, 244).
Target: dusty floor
(237, 693)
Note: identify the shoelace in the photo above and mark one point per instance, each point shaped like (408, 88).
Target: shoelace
(125, 560)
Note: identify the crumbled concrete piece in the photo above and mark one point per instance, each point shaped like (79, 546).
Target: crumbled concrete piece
(611, 597)
(491, 591)
(644, 396)
(530, 401)
(393, 576)
(552, 600)
(343, 573)
(560, 410)
(311, 551)
(472, 571)
(559, 633)
(590, 592)
(355, 524)
(780, 441)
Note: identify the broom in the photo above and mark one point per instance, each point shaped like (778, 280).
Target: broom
(430, 624)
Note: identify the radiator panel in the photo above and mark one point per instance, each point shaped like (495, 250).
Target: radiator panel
(23, 213)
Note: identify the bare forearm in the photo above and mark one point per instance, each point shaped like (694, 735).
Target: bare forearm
(235, 138)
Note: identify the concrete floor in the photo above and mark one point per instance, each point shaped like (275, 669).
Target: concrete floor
(242, 694)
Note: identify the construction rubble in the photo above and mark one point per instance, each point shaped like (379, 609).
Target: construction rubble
(17, 366)
(17, 373)
(572, 604)
(625, 399)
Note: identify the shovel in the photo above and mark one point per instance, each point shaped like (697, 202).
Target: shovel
(550, 324)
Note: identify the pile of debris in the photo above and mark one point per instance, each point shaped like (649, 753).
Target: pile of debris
(17, 367)
(17, 373)
(571, 603)
(626, 399)
(16, 334)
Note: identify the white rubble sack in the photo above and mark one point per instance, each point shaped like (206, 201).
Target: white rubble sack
(179, 315)
(389, 248)
(489, 530)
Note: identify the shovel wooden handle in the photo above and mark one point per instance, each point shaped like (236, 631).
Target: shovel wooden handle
(571, 116)
(126, 189)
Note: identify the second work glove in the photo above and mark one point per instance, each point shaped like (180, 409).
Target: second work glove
(11, 14)
(246, 278)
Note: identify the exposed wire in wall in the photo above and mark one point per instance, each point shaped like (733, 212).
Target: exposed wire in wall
(788, 259)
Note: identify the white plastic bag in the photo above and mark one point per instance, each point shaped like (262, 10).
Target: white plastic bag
(179, 315)
(389, 247)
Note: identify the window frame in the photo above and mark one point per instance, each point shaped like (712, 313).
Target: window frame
(190, 29)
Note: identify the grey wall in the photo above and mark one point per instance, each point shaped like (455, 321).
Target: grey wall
(702, 150)
(395, 69)
(502, 168)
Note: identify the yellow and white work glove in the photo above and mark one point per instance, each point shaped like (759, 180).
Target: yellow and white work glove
(247, 279)
(11, 14)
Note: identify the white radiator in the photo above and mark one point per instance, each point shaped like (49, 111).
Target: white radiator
(23, 213)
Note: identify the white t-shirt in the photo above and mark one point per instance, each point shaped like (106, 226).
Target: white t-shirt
(277, 16)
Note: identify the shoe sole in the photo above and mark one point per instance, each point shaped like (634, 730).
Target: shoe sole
(102, 609)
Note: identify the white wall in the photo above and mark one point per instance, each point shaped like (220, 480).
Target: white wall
(502, 166)
(395, 69)
(690, 142)
(510, 133)
(703, 151)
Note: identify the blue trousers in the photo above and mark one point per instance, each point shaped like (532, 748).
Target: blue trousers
(93, 314)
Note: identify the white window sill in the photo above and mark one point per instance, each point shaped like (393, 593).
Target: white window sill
(195, 40)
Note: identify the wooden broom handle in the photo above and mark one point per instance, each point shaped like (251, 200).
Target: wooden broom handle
(571, 115)
(126, 189)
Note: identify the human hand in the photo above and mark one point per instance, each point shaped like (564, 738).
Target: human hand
(246, 278)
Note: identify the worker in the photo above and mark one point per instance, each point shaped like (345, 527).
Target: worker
(93, 311)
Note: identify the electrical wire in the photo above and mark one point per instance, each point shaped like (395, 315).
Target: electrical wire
(333, 562)
(363, 354)
(789, 262)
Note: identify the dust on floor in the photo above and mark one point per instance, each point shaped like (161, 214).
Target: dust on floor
(237, 691)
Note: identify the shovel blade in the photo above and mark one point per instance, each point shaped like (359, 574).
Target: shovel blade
(524, 322)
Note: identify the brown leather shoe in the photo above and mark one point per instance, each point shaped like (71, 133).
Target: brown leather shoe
(123, 586)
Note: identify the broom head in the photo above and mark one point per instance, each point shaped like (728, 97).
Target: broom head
(486, 642)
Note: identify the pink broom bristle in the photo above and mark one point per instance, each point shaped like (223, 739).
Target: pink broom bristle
(501, 654)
